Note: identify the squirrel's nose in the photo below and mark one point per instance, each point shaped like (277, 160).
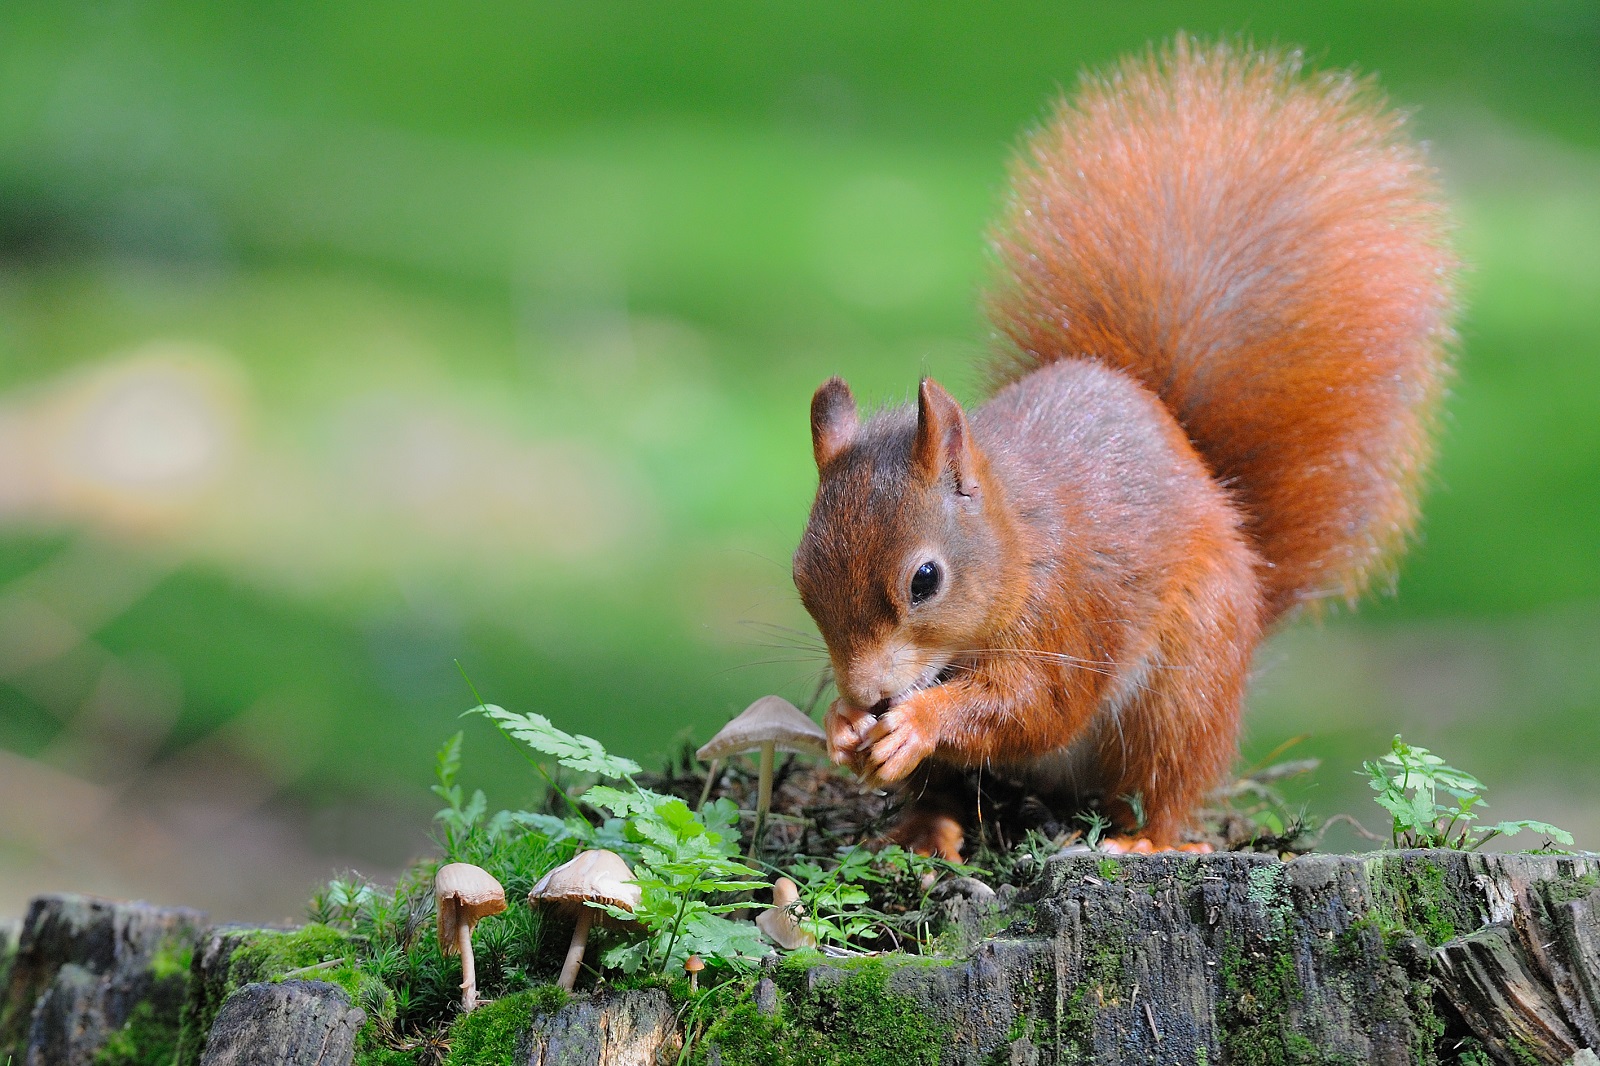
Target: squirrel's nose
(855, 686)
(865, 682)
(863, 696)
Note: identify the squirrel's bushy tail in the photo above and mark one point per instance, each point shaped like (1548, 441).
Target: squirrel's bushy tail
(1267, 252)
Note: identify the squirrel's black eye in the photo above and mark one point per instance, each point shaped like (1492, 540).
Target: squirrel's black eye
(924, 583)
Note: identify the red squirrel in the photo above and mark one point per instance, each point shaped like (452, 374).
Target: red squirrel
(1224, 305)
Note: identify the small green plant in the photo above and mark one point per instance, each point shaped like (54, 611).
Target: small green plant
(1095, 825)
(686, 863)
(1410, 780)
(834, 899)
(833, 903)
(687, 868)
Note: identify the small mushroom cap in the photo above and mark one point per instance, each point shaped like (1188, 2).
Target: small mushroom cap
(694, 964)
(770, 719)
(778, 922)
(465, 894)
(784, 892)
(599, 876)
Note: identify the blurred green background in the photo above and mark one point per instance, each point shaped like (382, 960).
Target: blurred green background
(342, 340)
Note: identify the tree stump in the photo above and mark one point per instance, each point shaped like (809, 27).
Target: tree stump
(1389, 957)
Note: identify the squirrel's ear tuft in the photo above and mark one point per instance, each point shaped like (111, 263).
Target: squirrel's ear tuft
(833, 420)
(943, 443)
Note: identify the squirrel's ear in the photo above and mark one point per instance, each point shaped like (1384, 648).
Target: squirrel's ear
(943, 442)
(833, 420)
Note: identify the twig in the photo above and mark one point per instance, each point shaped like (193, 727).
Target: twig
(1150, 1016)
(328, 965)
(1361, 830)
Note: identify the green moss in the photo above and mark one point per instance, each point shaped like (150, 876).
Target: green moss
(1430, 1026)
(173, 957)
(147, 1039)
(795, 964)
(1026, 1027)
(1269, 890)
(488, 1036)
(1099, 983)
(1110, 869)
(383, 1056)
(1567, 889)
(1522, 1053)
(840, 1017)
(263, 955)
(9, 934)
(270, 956)
(545, 999)
(1259, 988)
(1410, 893)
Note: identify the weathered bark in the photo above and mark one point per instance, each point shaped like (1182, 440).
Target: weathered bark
(81, 967)
(621, 1029)
(1403, 958)
(208, 989)
(309, 1022)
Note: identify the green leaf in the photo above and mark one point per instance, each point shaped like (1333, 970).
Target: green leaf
(447, 763)
(574, 751)
(629, 958)
(621, 914)
(615, 800)
(1561, 836)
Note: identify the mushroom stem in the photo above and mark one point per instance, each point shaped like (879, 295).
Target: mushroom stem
(764, 795)
(580, 941)
(711, 779)
(469, 976)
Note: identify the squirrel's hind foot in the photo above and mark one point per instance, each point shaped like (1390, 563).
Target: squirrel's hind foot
(929, 832)
(1145, 846)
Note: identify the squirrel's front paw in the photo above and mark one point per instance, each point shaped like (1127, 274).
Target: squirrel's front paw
(847, 726)
(902, 737)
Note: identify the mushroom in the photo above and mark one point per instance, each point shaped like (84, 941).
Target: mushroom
(465, 894)
(692, 966)
(770, 724)
(598, 876)
(778, 921)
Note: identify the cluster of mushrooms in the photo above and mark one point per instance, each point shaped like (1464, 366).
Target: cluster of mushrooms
(466, 894)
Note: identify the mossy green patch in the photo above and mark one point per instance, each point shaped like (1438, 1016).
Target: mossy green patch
(1409, 892)
(837, 1017)
(1259, 987)
(1110, 869)
(1269, 890)
(545, 999)
(9, 934)
(173, 957)
(488, 1036)
(383, 1056)
(1522, 1053)
(147, 1039)
(271, 956)
(1100, 982)
(1567, 889)
(263, 955)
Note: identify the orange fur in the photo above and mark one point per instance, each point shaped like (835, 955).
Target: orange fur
(1228, 293)
(1266, 252)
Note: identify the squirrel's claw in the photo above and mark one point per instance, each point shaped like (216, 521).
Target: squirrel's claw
(847, 726)
(899, 741)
